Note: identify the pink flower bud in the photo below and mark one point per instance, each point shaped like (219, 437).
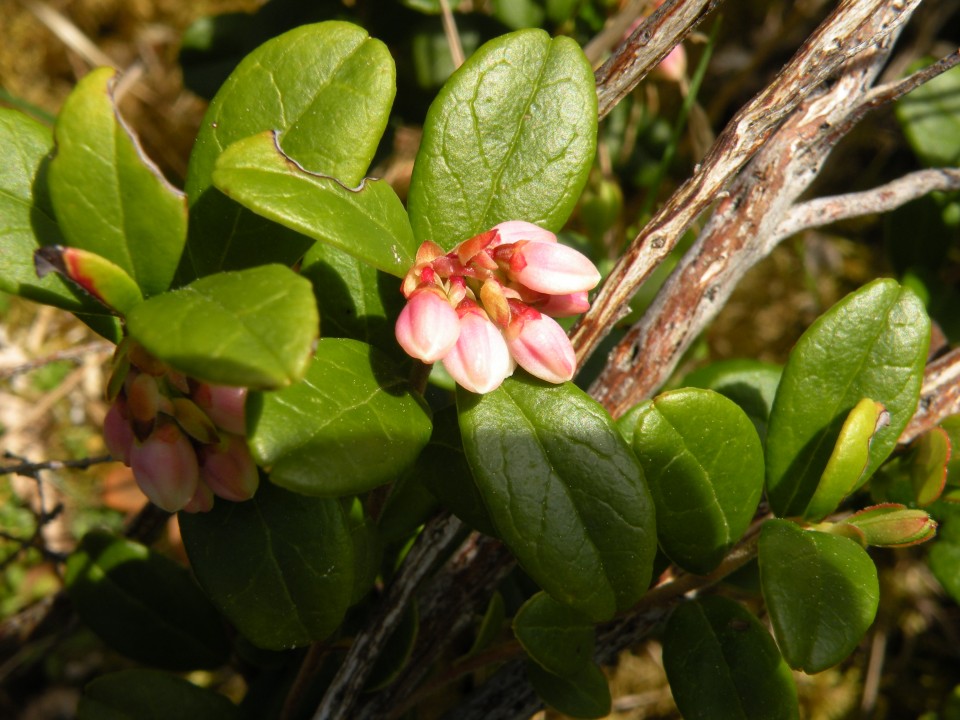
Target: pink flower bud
(117, 432)
(540, 346)
(428, 327)
(674, 66)
(224, 405)
(516, 230)
(565, 305)
(202, 500)
(480, 360)
(143, 402)
(165, 467)
(549, 268)
(228, 469)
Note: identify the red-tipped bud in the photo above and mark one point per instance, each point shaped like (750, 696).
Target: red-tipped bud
(514, 231)
(549, 268)
(224, 405)
(893, 525)
(565, 305)
(539, 345)
(428, 327)
(143, 402)
(480, 361)
(165, 467)
(117, 432)
(229, 470)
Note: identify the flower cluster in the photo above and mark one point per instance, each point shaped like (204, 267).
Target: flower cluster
(488, 305)
(183, 439)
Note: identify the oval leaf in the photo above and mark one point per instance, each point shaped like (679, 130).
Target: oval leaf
(251, 328)
(144, 605)
(279, 566)
(930, 118)
(295, 84)
(109, 197)
(722, 664)
(586, 696)
(28, 220)
(368, 221)
(704, 465)
(851, 453)
(873, 344)
(511, 136)
(556, 637)
(563, 490)
(751, 384)
(352, 424)
(821, 590)
(142, 694)
(928, 465)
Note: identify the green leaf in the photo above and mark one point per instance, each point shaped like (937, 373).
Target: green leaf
(851, 454)
(355, 300)
(104, 280)
(928, 465)
(556, 637)
(141, 694)
(872, 344)
(704, 464)
(352, 424)
(27, 218)
(396, 651)
(368, 221)
(586, 696)
(821, 590)
(327, 88)
(144, 605)
(511, 136)
(930, 118)
(109, 197)
(446, 473)
(250, 328)
(279, 566)
(722, 664)
(944, 561)
(564, 491)
(491, 625)
(751, 384)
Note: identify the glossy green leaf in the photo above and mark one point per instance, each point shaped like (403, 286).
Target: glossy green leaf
(751, 384)
(555, 636)
(821, 591)
(564, 491)
(722, 664)
(327, 88)
(279, 566)
(704, 464)
(928, 465)
(930, 118)
(351, 424)
(367, 548)
(368, 221)
(873, 344)
(511, 136)
(144, 605)
(355, 300)
(26, 218)
(102, 279)
(250, 328)
(142, 694)
(446, 473)
(108, 196)
(586, 696)
(851, 454)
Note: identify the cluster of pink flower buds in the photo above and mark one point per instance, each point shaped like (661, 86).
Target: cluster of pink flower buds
(183, 439)
(488, 305)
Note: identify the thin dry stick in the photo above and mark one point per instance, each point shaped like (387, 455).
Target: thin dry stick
(31, 468)
(757, 214)
(433, 543)
(453, 37)
(77, 353)
(842, 35)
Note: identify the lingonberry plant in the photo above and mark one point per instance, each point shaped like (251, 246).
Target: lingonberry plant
(276, 323)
